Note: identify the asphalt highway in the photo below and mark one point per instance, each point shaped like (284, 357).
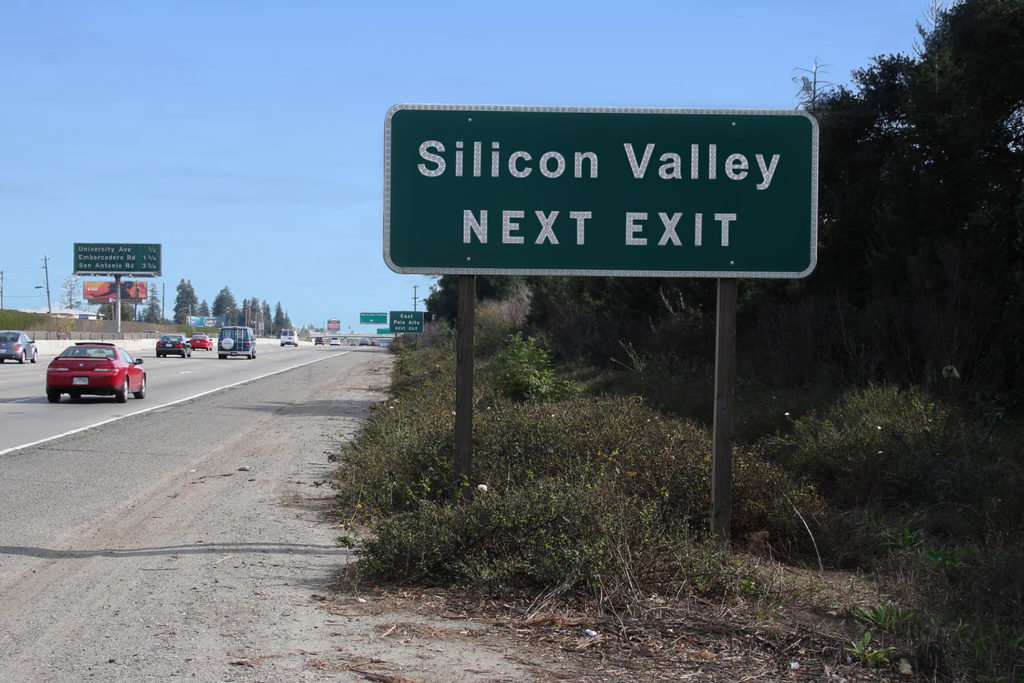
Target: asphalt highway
(26, 418)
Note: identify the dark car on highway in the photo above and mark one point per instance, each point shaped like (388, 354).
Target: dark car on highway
(173, 344)
(17, 345)
(95, 368)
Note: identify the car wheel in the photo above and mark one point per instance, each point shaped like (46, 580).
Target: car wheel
(34, 354)
(141, 393)
(122, 394)
(52, 395)
(21, 358)
(221, 356)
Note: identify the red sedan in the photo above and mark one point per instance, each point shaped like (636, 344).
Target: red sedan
(201, 341)
(95, 368)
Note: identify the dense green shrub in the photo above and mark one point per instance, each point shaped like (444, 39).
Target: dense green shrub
(547, 534)
(890, 447)
(523, 372)
(584, 491)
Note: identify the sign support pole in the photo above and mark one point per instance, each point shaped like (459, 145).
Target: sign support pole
(117, 304)
(464, 377)
(725, 385)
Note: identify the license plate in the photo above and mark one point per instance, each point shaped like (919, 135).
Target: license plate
(80, 380)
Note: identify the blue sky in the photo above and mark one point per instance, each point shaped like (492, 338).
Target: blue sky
(247, 136)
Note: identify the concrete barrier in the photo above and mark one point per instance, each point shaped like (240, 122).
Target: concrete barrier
(51, 347)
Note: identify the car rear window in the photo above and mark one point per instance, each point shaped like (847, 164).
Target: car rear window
(88, 352)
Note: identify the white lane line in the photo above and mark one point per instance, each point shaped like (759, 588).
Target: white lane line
(162, 405)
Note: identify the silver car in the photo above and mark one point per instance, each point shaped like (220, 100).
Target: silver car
(16, 345)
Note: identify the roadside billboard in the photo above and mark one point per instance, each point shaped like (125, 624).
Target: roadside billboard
(206, 321)
(104, 291)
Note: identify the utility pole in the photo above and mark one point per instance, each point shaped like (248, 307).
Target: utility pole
(414, 298)
(46, 270)
(1, 290)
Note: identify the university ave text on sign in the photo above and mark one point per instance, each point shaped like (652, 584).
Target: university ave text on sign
(600, 192)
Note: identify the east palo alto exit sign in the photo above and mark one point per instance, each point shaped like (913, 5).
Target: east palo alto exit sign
(579, 191)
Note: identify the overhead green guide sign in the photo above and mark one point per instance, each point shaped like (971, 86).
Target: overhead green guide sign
(586, 191)
(372, 318)
(93, 258)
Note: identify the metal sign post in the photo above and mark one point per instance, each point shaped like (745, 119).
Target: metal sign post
(725, 385)
(466, 319)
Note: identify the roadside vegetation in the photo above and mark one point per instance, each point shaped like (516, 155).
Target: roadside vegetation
(893, 512)
(877, 519)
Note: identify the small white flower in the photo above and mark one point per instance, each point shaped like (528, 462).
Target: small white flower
(482, 488)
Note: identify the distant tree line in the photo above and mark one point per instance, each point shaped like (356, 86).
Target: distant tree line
(920, 273)
(251, 312)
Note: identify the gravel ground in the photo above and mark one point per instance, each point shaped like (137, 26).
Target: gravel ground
(220, 568)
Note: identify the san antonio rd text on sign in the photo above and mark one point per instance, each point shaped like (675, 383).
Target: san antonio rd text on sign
(579, 191)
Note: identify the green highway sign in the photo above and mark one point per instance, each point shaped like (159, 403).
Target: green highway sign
(600, 191)
(372, 318)
(383, 330)
(138, 260)
(406, 321)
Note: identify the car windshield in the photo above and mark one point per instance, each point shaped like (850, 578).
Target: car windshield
(170, 338)
(8, 336)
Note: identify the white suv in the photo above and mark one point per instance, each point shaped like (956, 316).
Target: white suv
(289, 337)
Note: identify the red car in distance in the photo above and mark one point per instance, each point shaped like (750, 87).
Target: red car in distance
(201, 341)
(95, 368)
